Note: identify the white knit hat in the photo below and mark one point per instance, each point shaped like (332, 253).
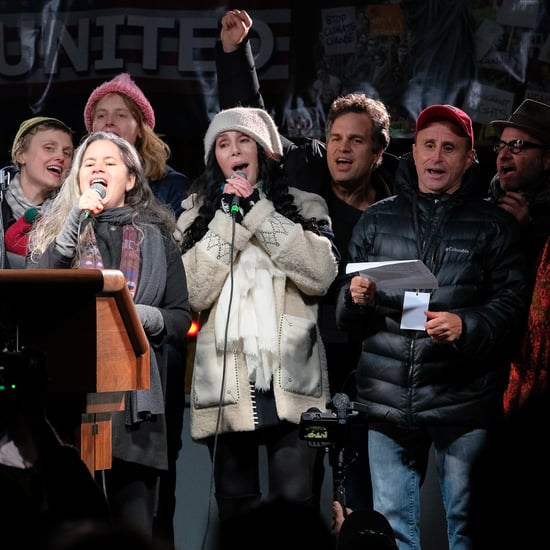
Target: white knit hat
(253, 122)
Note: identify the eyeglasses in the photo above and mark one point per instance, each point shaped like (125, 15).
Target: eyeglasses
(516, 146)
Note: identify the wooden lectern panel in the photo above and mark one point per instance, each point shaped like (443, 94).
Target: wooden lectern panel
(122, 346)
(84, 320)
(86, 325)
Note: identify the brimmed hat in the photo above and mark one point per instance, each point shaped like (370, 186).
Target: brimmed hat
(533, 117)
(251, 121)
(27, 125)
(124, 85)
(437, 113)
(366, 529)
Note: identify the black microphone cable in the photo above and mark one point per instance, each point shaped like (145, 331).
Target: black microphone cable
(234, 210)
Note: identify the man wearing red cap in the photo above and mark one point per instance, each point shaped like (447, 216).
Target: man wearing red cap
(433, 363)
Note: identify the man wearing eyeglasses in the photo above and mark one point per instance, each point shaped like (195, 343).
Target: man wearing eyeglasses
(522, 187)
(522, 182)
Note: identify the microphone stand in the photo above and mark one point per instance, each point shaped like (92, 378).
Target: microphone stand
(343, 407)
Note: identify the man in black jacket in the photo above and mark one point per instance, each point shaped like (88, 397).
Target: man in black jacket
(435, 379)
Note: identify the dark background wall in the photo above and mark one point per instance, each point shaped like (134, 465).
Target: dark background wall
(482, 56)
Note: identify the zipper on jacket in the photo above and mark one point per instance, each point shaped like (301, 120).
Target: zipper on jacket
(410, 380)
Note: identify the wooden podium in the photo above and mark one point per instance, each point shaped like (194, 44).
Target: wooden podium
(86, 325)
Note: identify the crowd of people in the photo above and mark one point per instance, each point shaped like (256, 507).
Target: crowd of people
(256, 247)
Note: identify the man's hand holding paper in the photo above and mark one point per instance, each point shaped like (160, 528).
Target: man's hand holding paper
(402, 274)
(362, 290)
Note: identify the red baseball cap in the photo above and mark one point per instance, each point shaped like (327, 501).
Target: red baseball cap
(437, 113)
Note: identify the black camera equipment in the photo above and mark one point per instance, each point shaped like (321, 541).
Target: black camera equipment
(5, 177)
(23, 378)
(328, 430)
(22, 369)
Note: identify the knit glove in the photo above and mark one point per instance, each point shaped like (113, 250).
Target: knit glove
(245, 204)
(151, 319)
(225, 206)
(249, 202)
(16, 237)
(31, 214)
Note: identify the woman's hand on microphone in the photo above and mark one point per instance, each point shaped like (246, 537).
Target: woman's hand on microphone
(90, 202)
(238, 185)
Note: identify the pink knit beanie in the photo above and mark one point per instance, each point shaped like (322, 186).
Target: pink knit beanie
(124, 85)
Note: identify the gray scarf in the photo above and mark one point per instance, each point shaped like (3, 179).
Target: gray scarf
(150, 290)
(17, 201)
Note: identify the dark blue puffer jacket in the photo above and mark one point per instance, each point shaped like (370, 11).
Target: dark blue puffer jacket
(473, 249)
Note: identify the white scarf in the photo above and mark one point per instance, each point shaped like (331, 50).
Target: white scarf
(252, 327)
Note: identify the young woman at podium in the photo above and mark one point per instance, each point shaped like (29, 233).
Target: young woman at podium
(106, 217)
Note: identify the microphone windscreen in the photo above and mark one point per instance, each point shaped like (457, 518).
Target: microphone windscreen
(340, 401)
(99, 188)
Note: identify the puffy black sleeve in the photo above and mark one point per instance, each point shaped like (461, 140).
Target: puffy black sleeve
(238, 83)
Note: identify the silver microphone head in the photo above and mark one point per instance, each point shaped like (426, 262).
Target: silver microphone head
(240, 173)
(99, 188)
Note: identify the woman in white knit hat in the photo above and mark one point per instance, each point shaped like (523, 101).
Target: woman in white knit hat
(258, 256)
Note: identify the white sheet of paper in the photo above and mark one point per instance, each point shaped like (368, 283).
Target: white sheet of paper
(397, 274)
(414, 306)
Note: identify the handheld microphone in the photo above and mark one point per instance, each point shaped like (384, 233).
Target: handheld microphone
(101, 190)
(235, 201)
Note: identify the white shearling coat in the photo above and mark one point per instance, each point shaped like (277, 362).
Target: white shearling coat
(300, 380)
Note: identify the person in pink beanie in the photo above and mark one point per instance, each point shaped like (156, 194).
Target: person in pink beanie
(16, 237)
(120, 106)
